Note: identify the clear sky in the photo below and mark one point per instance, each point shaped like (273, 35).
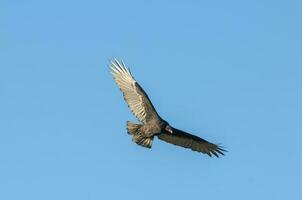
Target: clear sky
(227, 71)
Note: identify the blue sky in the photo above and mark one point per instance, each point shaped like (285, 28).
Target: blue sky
(227, 71)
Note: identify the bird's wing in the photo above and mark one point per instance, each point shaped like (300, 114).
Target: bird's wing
(136, 98)
(193, 142)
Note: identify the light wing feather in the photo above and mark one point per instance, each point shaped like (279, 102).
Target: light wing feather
(136, 98)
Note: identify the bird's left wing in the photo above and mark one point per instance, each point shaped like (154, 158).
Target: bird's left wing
(193, 142)
(136, 98)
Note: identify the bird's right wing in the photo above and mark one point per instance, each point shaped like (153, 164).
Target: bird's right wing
(193, 142)
(136, 98)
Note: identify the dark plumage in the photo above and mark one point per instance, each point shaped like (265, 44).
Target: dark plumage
(151, 123)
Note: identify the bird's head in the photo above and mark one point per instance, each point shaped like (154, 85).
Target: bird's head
(167, 128)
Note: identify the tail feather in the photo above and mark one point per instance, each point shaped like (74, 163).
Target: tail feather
(137, 137)
(133, 129)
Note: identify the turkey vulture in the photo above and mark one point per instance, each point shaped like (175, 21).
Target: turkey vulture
(151, 123)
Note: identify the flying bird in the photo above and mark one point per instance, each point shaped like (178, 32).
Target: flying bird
(152, 125)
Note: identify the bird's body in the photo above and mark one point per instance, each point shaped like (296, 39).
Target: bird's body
(151, 123)
(150, 129)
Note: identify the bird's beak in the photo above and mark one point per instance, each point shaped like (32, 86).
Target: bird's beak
(169, 129)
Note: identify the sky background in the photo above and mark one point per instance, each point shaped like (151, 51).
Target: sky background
(227, 71)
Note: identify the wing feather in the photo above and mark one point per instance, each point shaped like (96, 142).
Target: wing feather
(192, 142)
(136, 98)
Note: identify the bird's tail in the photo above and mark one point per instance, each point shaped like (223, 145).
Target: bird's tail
(137, 137)
(133, 129)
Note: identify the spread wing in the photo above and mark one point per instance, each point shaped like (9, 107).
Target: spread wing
(136, 98)
(193, 142)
